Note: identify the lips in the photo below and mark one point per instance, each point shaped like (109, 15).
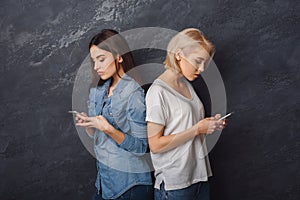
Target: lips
(100, 73)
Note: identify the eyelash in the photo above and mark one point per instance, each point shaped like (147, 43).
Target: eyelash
(100, 60)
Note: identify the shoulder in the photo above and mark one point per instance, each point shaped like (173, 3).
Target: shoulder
(131, 92)
(156, 95)
(156, 91)
(136, 107)
(127, 86)
(155, 88)
(136, 98)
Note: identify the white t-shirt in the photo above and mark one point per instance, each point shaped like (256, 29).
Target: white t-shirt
(188, 163)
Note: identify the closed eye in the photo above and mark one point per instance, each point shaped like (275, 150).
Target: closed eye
(198, 62)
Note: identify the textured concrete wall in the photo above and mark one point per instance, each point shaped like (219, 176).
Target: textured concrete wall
(44, 42)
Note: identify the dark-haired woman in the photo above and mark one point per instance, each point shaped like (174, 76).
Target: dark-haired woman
(116, 121)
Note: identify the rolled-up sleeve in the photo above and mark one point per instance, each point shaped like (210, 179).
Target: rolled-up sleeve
(136, 139)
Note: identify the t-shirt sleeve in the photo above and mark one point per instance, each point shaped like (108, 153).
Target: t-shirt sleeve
(155, 106)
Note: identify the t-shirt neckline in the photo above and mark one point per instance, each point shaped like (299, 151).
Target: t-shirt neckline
(177, 93)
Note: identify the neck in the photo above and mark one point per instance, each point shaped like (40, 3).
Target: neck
(173, 76)
(116, 78)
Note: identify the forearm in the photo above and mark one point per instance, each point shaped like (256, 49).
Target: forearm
(115, 134)
(135, 145)
(165, 143)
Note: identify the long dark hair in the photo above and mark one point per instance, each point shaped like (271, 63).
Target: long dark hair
(110, 40)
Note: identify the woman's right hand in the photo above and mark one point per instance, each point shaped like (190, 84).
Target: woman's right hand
(209, 125)
(80, 120)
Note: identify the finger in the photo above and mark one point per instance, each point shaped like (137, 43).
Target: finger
(217, 116)
(221, 122)
(85, 124)
(90, 126)
(83, 114)
(78, 115)
(226, 121)
(78, 119)
(213, 126)
(100, 117)
(219, 128)
(83, 117)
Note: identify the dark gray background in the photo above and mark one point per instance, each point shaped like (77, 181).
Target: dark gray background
(44, 42)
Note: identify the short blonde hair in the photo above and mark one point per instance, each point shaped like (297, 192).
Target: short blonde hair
(186, 38)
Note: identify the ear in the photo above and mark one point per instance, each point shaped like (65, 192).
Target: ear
(178, 54)
(120, 59)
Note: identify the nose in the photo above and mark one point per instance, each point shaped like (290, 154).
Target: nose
(96, 65)
(201, 68)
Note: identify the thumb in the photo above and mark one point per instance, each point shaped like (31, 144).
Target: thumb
(84, 114)
(217, 116)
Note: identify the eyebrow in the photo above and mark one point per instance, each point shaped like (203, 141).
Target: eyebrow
(101, 55)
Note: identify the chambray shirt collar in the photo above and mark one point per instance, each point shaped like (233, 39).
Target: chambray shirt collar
(120, 86)
(105, 86)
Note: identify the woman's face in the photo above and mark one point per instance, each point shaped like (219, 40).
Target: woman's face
(104, 62)
(193, 61)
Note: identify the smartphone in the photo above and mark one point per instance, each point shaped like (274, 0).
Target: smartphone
(73, 112)
(224, 117)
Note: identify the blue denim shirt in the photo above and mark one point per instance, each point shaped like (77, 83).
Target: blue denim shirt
(121, 166)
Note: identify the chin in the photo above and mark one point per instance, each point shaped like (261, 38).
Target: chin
(190, 78)
(103, 77)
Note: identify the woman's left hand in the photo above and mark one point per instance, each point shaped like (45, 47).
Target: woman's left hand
(222, 123)
(98, 122)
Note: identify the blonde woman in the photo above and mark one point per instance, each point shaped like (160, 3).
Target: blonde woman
(175, 121)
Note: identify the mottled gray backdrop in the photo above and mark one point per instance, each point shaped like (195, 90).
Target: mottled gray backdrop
(43, 43)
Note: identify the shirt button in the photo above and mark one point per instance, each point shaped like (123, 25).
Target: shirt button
(110, 114)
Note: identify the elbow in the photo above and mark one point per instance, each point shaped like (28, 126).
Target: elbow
(155, 149)
(155, 146)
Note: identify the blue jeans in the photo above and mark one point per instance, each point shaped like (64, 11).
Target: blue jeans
(138, 192)
(197, 191)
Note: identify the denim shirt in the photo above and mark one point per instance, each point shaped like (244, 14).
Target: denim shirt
(120, 167)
